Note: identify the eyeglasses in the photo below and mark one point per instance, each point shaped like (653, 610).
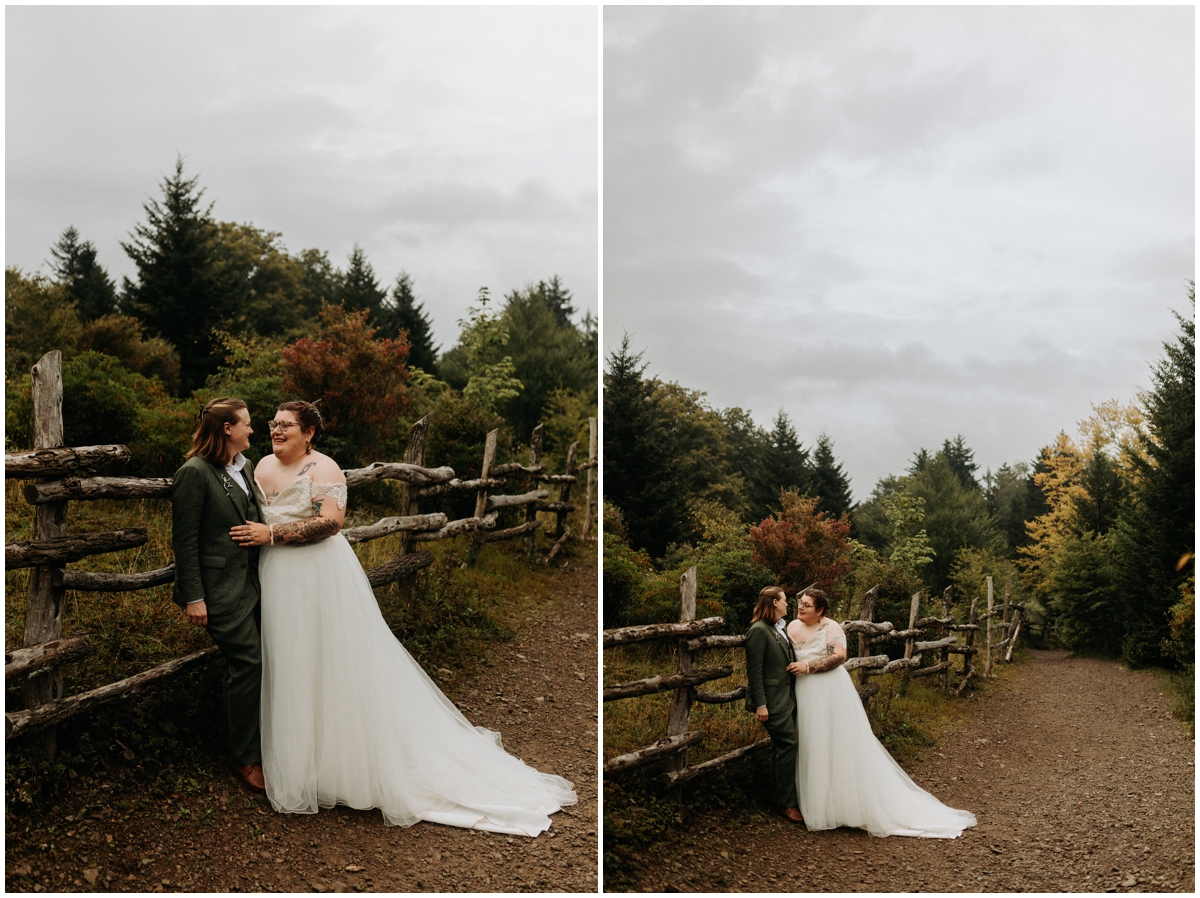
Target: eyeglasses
(805, 605)
(280, 425)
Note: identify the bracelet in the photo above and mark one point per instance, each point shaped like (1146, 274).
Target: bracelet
(271, 528)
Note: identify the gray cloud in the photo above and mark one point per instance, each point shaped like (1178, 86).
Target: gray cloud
(458, 143)
(900, 223)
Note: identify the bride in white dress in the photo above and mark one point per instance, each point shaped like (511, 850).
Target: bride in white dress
(844, 776)
(348, 717)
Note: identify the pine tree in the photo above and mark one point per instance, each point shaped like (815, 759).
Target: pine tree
(828, 481)
(962, 461)
(402, 312)
(1155, 535)
(178, 295)
(639, 471)
(87, 283)
(785, 463)
(360, 288)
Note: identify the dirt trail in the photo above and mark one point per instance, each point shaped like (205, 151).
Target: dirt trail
(540, 695)
(1079, 776)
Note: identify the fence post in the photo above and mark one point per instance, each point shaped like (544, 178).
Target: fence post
(946, 631)
(44, 601)
(489, 456)
(535, 454)
(914, 607)
(564, 495)
(681, 703)
(591, 480)
(987, 665)
(409, 504)
(867, 614)
(968, 664)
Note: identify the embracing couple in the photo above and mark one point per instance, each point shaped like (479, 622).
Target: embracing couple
(323, 705)
(827, 767)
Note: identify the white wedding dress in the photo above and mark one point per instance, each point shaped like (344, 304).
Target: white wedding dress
(844, 776)
(348, 717)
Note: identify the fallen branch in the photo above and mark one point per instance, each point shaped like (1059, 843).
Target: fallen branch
(64, 461)
(398, 567)
(63, 549)
(628, 635)
(676, 778)
(94, 581)
(663, 683)
(18, 723)
(650, 752)
(57, 652)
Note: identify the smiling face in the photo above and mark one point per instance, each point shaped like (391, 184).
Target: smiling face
(780, 606)
(287, 439)
(806, 612)
(238, 433)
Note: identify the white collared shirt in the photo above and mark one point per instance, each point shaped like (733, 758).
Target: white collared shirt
(234, 470)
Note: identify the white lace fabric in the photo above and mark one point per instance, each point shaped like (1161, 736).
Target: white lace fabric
(819, 645)
(297, 501)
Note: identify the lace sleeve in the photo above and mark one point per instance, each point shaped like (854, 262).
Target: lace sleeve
(336, 491)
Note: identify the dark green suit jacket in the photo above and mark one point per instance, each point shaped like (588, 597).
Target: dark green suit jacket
(768, 683)
(206, 502)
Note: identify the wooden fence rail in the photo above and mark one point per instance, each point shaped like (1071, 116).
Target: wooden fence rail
(697, 635)
(63, 474)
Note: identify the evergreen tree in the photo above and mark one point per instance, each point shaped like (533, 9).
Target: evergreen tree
(1158, 530)
(402, 312)
(360, 288)
(785, 463)
(962, 461)
(178, 295)
(87, 283)
(639, 469)
(828, 481)
(557, 299)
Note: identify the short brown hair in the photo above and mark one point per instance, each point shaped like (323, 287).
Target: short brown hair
(209, 441)
(819, 599)
(765, 609)
(306, 414)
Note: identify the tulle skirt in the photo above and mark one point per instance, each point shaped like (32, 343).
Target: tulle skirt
(348, 717)
(845, 777)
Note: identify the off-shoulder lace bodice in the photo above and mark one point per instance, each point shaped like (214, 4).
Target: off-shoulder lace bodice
(819, 644)
(296, 501)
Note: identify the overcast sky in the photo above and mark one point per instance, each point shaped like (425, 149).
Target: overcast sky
(900, 224)
(459, 144)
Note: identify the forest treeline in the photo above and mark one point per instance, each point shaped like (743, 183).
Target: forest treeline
(1096, 532)
(220, 308)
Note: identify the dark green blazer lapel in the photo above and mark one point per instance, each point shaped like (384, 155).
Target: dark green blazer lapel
(235, 493)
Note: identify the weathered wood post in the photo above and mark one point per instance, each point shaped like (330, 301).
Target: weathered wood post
(535, 455)
(913, 608)
(564, 494)
(946, 632)
(590, 508)
(969, 649)
(409, 503)
(865, 691)
(681, 702)
(481, 497)
(44, 601)
(1012, 638)
(987, 665)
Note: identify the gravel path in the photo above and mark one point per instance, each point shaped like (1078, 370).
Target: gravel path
(1079, 776)
(540, 695)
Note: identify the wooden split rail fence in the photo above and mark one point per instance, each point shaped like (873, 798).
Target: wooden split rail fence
(697, 635)
(62, 474)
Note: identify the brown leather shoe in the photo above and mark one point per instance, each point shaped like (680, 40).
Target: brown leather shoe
(792, 814)
(251, 776)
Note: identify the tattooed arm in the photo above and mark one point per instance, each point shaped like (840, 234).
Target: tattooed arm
(303, 533)
(835, 647)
